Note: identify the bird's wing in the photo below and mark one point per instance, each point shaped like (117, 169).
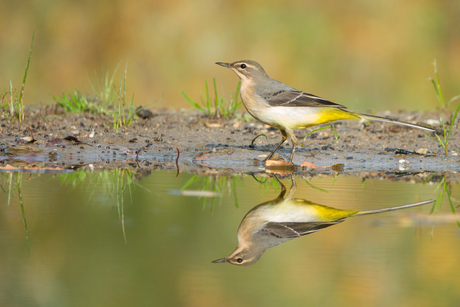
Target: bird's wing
(291, 230)
(295, 98)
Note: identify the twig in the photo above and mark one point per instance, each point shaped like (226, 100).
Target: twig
(177, 160)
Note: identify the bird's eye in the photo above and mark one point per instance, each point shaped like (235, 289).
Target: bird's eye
(243, 66)
(239, 260)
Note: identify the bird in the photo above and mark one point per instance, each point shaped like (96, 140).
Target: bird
(285, 218)
(279, 105)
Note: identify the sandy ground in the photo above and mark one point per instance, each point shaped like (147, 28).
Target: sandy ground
(221, 146)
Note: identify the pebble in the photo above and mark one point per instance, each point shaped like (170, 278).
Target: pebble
(433, 122)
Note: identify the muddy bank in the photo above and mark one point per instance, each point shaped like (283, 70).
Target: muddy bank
(69, 141)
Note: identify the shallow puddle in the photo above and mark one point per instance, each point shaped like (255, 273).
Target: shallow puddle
(124, 238)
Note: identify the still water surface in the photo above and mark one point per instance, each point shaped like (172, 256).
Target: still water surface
(116, 239)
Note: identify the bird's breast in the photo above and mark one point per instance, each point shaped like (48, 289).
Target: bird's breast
(254, 104)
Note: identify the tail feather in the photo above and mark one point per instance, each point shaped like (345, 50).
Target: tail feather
(389, 120)
(374, 211)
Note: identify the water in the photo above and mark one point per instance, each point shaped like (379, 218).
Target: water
(115, 238)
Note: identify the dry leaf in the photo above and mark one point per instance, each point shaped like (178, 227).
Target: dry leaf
(278, 163)
(213, 125)
(203, 157)
(312, 165)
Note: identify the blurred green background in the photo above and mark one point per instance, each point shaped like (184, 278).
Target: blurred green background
(364, 54)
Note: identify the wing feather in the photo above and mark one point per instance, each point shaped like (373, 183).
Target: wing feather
(291, 230)
(294, 98)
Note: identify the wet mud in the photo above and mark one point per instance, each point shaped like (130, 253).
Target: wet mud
(187, 141)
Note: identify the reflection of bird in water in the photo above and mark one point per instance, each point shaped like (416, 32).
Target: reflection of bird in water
(286, 218)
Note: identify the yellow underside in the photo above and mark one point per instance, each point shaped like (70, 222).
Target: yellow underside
(326, 115)
(328, 214)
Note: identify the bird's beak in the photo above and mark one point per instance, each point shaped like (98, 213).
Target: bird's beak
(223, 64)
(223, 259)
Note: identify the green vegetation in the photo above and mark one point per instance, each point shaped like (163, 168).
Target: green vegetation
(105, 99)
(15, 106)
(77, 102)
(317, 188)
(446, 134)
(213, 186)
(445, 193)
(100, 101)
(447, 129)
(216, 106)
(317, 129)
(14, 183)
(267, 184)
(114, 183)
(437, 88)
(336, 136)
(253, 140)
(124, 110)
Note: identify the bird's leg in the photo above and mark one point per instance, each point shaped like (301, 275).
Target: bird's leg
(294, 143)
(293, 187)
(276, 148)
(283, 188)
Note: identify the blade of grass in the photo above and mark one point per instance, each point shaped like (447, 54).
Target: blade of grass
(21, 204)
(314, 131)
(11, 99)
(216, 99)
(193, 103)
(20, 101)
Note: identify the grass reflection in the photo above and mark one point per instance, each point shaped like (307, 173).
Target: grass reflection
(14, 183)
(273, 184)
(218, 185)
(115, 182)
(445, 192)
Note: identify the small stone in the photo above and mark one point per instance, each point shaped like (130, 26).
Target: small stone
(433, 122)
(422, 151)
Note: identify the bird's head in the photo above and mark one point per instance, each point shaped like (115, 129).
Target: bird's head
(247, 70)
(242, 256)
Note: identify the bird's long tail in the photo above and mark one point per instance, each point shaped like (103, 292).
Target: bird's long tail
(389, 120)
(374, 211)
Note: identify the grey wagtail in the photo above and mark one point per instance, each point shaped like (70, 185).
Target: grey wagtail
(286, 218)
(279, 105)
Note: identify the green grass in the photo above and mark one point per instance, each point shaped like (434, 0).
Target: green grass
(447, 129)
(106, 98)
(314, 130)
(124, 110)
(215, 105)
(253, 140)
(15, 106)
(437, 88)
(77, 102)
(100, 101)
